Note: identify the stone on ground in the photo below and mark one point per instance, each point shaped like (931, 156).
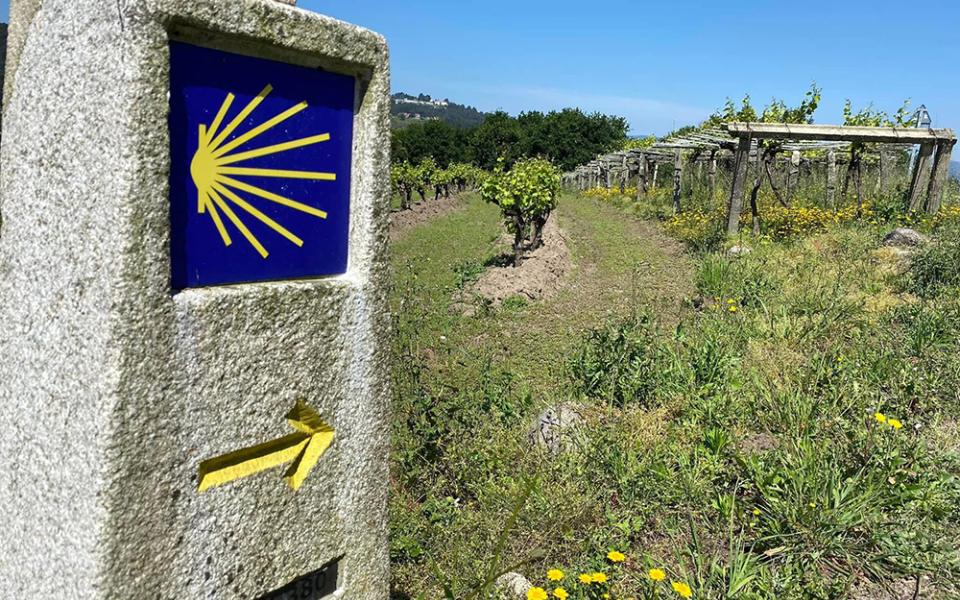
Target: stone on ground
(903, 237)
(736, 251)
(512, 586)
(554, 428)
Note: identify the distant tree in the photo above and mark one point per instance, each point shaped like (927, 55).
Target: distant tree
(567, 138)
(432, 139)
(573, 138)
(497, 137)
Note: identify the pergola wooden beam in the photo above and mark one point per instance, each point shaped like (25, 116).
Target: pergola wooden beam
(836, 133)
(929, 172)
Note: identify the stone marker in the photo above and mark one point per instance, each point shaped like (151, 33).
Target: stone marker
(194, 203)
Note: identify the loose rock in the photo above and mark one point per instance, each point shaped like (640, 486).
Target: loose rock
(512, 586)
(554, 429)
(903, 237)
(735, 251)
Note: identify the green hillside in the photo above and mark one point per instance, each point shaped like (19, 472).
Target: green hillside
(406, 110)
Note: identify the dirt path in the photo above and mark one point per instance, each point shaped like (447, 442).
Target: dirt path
(619, 263)
(623, 260)
(402, 221)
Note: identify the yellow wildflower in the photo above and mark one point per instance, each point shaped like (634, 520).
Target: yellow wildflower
(731, 301)
(536, 593)
(585, 578)
(554, 574)
(599, 577)
(657, 574)
(756, 512)
(560, 593)
(732, 309)
(895, 423)
(880, 417)
(682, 589)
(614, 556)
(812, 505)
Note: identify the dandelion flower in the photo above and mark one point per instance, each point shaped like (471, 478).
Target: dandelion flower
(756, 512)
(732, 309)
(554, 574)
(614, 556)
(895, 423)
(657, 574)
(585, 578)
(560, 593)
(599, 577)
(880, 417)
(682, 589)
(536, 593)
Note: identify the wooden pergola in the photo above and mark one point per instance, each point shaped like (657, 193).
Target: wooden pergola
(927, 181)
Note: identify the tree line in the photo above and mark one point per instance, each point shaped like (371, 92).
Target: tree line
(567, 138)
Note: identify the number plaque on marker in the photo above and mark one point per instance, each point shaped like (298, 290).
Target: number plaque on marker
(315, 586)
(260, 168)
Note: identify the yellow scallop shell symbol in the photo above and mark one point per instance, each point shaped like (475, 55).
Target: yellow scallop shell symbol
(214, 169)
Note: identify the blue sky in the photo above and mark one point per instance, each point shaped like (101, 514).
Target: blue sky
(666, 64)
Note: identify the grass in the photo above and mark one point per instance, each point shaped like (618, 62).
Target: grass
(732, 434)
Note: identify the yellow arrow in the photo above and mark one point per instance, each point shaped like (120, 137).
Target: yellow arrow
(303, 449)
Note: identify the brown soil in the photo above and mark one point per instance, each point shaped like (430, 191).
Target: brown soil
(757, 443)
(539, 276)
(402, 221)
(900, 589)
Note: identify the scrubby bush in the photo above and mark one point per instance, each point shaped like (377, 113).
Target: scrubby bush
(526, 194)
(935, 268)
(702, 231)
(619, 362)
(424, 174)
(403, 180)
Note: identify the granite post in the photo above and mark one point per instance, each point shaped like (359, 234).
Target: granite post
(116, 385)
